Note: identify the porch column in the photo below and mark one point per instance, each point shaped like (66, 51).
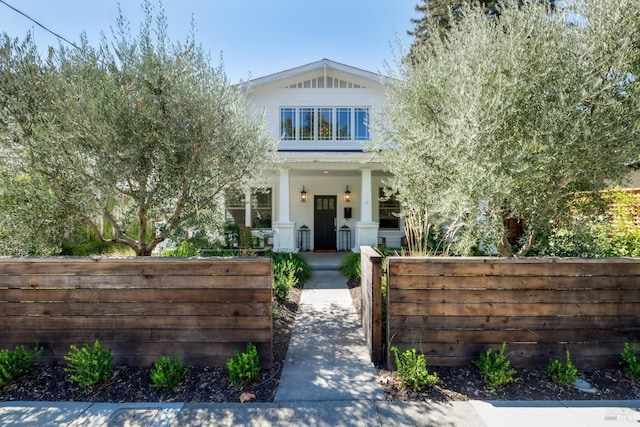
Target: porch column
(247, 208)
(366, 229)
(365, 198)
(283, 237)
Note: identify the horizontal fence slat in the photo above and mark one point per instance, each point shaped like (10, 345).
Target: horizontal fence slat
(512, 309)
(143, 335)
(120, 322)
(516, 267)
(515, 336)
(435, 323)
(167, 266)
(134, 308)
(113, 296)
(148, 281)
(510, 282)
(528, 296)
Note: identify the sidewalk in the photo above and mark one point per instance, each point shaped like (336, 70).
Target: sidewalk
(327, 380)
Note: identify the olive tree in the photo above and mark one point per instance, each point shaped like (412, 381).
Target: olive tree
(141, 133)
(509, 117)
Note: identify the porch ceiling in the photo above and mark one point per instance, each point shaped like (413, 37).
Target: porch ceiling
(349, 163)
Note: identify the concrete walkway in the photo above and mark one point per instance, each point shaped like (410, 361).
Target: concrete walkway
(329, 381)
(327, 357)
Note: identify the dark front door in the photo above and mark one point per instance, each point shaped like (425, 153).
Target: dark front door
(324, 221)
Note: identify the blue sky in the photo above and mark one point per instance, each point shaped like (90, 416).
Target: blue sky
(254, 37)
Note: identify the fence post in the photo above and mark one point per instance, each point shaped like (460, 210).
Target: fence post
(370, 264)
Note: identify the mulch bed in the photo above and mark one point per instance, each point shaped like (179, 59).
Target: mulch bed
(132, 384)
(465, 382)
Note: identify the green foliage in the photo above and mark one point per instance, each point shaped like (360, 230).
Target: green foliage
(244, 368)
(295, 262)
(510, 117)
(598, 225)
(84, 248)
(89, 365)
(630, 363)
(231, 235)
(16, 363)
(412, 369)
(563, 373)
(140, 131)
(289, 269)
(350, 266)
(168, 372)
(284, 277)
(495, 368)
(193, 246)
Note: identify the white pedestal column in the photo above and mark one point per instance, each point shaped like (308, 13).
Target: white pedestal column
(366, 229)
(283, 237)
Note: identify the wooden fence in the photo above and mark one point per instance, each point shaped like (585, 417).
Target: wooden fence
(371, 263)
(452, 309)
(201, 309)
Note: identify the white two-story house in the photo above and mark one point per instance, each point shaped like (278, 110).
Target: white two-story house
(327, 193)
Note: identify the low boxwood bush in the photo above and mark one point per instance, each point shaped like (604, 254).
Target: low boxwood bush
(495, 368)
(89, 365)
(168, 372)
(244, 368)
(412, 369)
(16, 363)
(630, 363)
(563, 373)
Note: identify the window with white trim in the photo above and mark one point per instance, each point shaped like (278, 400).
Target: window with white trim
(235, 207)
(260, 207)
(388, 210)
(324, 123)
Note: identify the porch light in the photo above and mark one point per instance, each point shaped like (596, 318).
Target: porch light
(303, 195)
(347, 195)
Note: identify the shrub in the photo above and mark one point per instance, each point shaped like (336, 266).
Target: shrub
(563, 373)
(495, 368)
(89, 365)
(630, 363)
(412, 369)
(289, 270)
(168, 372)
(284, 277)
(244, 368)
(192, 246)
(16, 363)
(295, 262)
(350, 266)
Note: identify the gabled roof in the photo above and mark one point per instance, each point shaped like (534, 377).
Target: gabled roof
(318, 65)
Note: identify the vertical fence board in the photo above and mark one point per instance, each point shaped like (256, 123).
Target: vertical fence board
(371, 264)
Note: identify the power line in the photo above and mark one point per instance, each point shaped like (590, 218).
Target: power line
(39, 24)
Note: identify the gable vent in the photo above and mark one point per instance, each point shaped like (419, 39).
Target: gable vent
(319, 83)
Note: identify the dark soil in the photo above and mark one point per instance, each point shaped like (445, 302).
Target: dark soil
(132, 384)
(465, 382)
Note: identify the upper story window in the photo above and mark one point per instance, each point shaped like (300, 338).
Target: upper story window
(324, 123)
